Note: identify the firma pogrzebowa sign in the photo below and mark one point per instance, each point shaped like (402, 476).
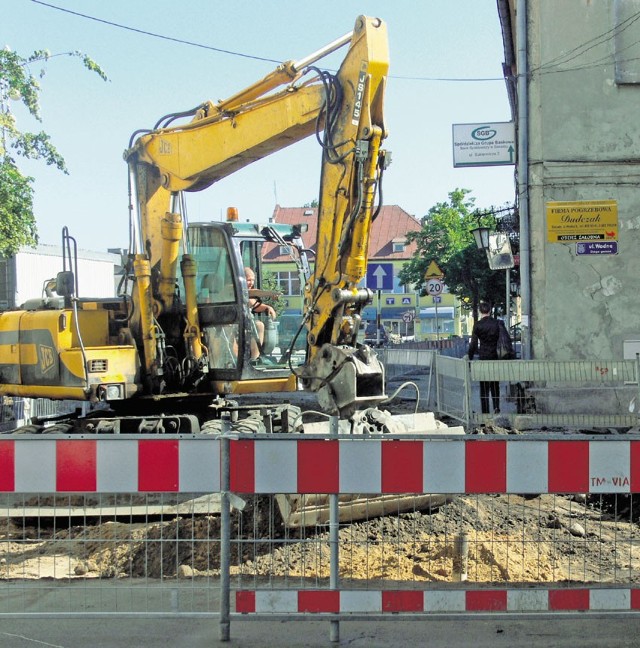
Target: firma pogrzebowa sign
(484, 144)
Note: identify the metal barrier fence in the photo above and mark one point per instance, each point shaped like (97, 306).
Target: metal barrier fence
(534, 393)
(522, 524)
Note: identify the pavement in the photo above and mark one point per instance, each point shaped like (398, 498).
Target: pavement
(454, 632)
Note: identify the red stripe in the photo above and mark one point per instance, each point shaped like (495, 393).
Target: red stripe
(635, 466)
(243, 467)
(398, 601)
(569, 599)
(158, 466)
(76, 466)
(402, 466)
(318, 601)
(568, 466)
(7, 466)
(486, 601)
(486, 467)
(318, 467)
(245, 602)
(635, 599)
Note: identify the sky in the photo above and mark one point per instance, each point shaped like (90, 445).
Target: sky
(90, 121)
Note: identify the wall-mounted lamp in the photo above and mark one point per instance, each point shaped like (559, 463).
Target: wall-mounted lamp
(481, 235)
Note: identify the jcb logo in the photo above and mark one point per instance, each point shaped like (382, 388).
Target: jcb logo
(47, 359)
(165, 147)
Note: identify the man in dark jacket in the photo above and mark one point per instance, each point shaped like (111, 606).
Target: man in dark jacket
(484, 341)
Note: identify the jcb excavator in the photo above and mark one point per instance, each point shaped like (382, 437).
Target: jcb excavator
(173, 338)
(161, 356)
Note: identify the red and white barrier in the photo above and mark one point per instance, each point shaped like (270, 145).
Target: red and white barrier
(110, 465)
(263, 464)
(436, 465)
(436, 600)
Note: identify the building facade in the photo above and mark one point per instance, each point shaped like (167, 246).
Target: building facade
(573, 75)
(24, 275)
(401, 310)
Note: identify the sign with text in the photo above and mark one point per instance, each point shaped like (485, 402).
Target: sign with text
(606, 247)
(485, 144)
(581, 221)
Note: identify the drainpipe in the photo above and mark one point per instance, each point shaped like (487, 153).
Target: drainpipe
(523, 175)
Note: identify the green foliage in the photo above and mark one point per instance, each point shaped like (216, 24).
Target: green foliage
(446, 238)
(18, 83)
(17, 223)
(270, 282)
(313, 204)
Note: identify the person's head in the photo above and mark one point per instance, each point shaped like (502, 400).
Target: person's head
(250, 276)
(484, 308)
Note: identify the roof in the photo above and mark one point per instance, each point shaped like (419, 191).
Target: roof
(391, 225)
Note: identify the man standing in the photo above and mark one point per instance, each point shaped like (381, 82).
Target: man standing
(484, 341)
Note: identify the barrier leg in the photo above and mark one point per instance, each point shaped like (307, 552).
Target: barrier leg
(225, 544)
(334, 527)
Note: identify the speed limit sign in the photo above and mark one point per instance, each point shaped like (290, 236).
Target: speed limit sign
(434, 286)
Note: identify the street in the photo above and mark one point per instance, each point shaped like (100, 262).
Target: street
(455, 632)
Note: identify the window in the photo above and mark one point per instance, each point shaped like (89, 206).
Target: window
(398, 247)
(288, 283)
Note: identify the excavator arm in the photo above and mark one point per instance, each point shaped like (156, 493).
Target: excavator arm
(291, 103)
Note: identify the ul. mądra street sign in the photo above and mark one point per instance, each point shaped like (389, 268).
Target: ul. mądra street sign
(380, 276)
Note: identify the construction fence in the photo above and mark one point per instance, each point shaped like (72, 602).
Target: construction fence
(534, 394)
(197, 525)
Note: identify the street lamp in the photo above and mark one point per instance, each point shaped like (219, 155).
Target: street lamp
(481, 235)
(498, 250)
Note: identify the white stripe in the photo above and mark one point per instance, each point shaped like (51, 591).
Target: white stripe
(360, 466)
(527, 467)
(117, 466)
(360, 601)
(524, 600)
(445, 601)
(443, 466)
(609, 599)
(276, 601)
(199, 466)
(609, 467)
(35, 466)
(276, 466)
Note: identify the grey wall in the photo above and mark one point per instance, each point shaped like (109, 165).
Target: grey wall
(584, 144)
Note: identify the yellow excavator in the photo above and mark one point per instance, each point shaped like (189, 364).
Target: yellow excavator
(171, 351)
(176, 337)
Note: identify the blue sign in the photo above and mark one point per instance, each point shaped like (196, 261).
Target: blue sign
(380, 276)
(406, 300)
(597, 247)
(390, 301)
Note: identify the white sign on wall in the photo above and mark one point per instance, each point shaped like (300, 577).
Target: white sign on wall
(484, 144)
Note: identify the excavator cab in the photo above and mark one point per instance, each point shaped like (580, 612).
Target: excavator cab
(245, 350)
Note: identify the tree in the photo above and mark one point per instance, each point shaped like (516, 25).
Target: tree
(445, 238)
(17, 83)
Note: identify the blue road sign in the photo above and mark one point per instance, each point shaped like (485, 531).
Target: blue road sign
(380, 276)
(597, 247)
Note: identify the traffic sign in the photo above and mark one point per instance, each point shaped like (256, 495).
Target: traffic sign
(434, 286)
(407, 317)
(380, 276)
(433, 272)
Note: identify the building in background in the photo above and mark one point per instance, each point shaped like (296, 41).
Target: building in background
(24, 275)
(403, 313)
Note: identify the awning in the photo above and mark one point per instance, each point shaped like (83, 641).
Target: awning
(444, 312)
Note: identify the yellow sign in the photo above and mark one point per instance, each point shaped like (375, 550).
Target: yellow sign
(582, 220)
(433, 271)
